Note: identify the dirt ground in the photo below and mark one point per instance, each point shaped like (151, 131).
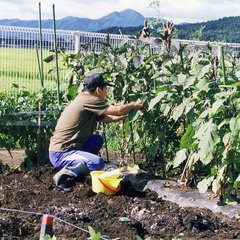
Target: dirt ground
(25, 196)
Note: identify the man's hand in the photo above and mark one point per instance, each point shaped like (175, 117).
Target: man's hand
(121, 110)
(139, 105)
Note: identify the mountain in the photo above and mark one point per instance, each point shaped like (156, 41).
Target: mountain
(131, 22)
(222, 30)
(226, 29)
(126, 18)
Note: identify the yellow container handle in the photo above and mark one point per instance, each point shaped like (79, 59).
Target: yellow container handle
(108, 188)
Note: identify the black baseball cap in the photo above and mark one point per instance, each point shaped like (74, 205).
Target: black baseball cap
(93, 81)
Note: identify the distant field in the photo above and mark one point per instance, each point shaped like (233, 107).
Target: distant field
(20, 66)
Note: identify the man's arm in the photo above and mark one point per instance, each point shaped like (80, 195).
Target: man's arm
(123, 109)
(112, 118)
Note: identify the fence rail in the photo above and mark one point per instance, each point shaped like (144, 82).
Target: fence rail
(18, 57)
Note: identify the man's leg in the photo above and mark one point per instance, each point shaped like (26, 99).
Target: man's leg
(93, 144)
(74, 164)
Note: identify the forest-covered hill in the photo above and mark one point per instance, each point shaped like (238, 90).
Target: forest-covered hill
(223, 30)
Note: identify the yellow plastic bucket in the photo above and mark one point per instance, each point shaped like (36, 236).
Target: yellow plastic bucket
(108, 185)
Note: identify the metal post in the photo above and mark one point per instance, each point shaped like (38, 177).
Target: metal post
(77, 42)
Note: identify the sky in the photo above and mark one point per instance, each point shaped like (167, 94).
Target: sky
(177, 11)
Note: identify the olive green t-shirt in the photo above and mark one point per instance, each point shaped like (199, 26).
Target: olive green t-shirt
(77, 122)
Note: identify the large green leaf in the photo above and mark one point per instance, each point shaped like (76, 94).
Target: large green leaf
(49, 58)
(123, 61)
(180, 157)
(137, 61)
(202, 84)
(229, 200)
(205, 113)
(178, 111)
(234, 125)
(189, 106)
(208, 137)
(205, 183)
(216, 186)
(237, 182)
(201, 69)
(157, 99)
(186, 139)
(179, 80)
(217, 104)
(193, 159)
(133, 115)
(188, 82)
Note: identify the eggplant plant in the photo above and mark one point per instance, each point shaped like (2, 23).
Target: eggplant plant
(191, 99)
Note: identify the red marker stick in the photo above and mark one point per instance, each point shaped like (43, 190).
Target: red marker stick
(46, 226)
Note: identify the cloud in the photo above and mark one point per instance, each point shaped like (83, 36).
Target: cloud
(176, 10)
(197, 10)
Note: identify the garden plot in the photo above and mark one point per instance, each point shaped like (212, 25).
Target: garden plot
(121, 216)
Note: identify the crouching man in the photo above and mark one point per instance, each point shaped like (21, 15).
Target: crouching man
(73, 147)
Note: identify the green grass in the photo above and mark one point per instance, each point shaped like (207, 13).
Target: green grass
(20, 66)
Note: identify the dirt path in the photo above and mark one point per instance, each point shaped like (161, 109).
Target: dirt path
(16, 159)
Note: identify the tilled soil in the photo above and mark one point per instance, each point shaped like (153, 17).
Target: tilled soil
(25, 196)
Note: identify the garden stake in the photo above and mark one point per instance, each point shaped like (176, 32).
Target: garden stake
(46, 226)
(39, 65)
(56, 55)
(39, 159)
(40, 36)
(133, 150)
(93, 50)
(223, 66)
(163, 162)
(105, 140)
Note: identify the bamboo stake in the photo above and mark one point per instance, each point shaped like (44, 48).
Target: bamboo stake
(132, 139)
(105, 140)
(40, 36)
(39, 158)
(39, 65)
(56, 55)
(223, 66)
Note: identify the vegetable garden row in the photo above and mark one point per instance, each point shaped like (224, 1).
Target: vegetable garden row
(192, 104)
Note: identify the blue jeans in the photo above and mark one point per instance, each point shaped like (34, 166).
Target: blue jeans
(73, 156)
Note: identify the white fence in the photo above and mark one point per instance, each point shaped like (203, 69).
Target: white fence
(18, 54)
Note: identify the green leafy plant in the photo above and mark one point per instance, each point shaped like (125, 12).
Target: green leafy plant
(19, 117)
(139, 238)
(93, 234)
(48, 237)
(191, 120)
